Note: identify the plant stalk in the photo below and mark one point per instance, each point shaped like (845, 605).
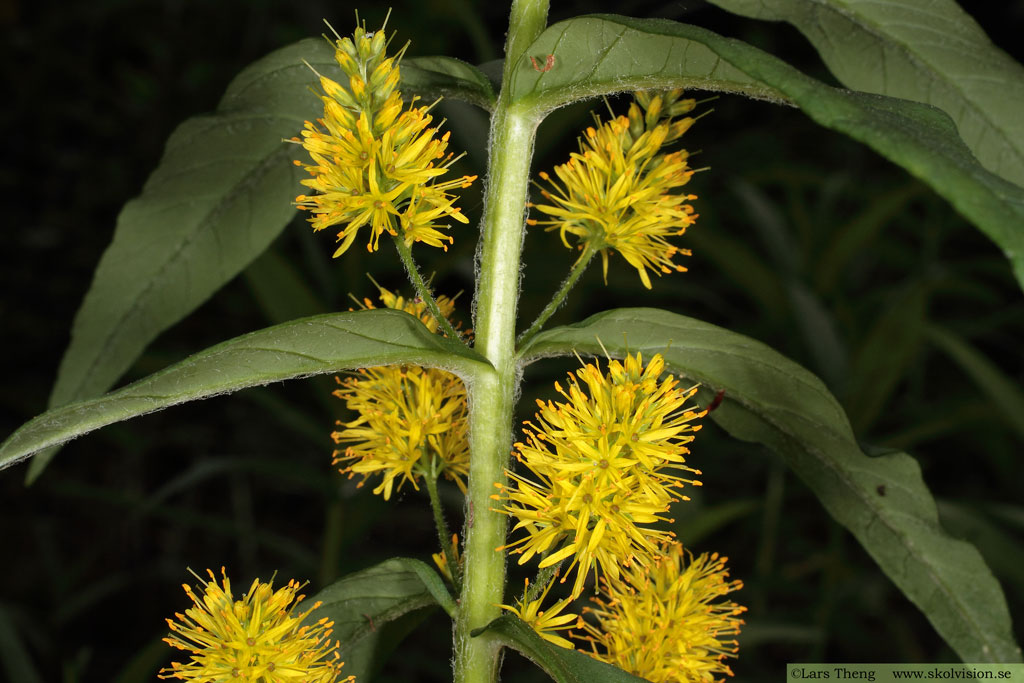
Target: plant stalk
(444, 536)
(492, 393)
(405, 253)
(577, 269)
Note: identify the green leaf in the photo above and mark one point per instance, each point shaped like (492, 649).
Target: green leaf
(887, 353)
(492, 70)
(366, 657)
(561, 664)
(432, 77)
(601, 54)
(1001, 550)
(1005, 394)
(883, 501)
(362, 605)
(928, 51)
(309, 346)
(221, 193)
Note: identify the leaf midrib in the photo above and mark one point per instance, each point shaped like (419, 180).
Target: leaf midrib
(757, 89)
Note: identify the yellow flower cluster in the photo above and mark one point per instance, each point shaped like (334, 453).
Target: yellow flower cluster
(668, 622)
(375, 163)
(412, 422)
(256, 638)
(607, 463)
(619, 192)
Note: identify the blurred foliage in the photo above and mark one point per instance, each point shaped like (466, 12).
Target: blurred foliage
(807, 241)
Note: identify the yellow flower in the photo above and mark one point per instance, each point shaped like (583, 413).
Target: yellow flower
(669, 623)
(619, 191)
(416, 307)
(545, 622)
(257, 638)
(412, 421)
(441, 559)
(607, 464)
(373, 163)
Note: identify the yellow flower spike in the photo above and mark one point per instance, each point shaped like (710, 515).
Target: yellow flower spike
(373, 163)
(406, 416)
(258, 637)
(545, 622)
(620, 191)
(606, 464)
(669, 622)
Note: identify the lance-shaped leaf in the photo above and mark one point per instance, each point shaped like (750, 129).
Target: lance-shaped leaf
(928, 51)
(561, 664)
(883, 501)
(366, 605)
(601, 54)
(309, 346)
(221, 193)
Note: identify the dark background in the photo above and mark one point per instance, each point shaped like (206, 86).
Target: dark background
(94, 553)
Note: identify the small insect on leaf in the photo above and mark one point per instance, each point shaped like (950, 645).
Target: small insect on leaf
(549, 62)
(716, 401)
(881, 489)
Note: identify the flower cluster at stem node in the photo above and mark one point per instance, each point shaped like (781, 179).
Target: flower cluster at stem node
(620, 192)
(412, 421)
(258, 637)
(606, 465)
(667, 622)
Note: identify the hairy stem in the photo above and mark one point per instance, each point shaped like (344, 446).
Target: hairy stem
(405, 253)
(541, 581)
(492, 393)
(443, 534)
(577, 269)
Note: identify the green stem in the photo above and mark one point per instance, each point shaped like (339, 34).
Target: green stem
(443, 534)
(541, 581)
(577, 269)
(492, 393)
(527, 20)
(405, 253)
